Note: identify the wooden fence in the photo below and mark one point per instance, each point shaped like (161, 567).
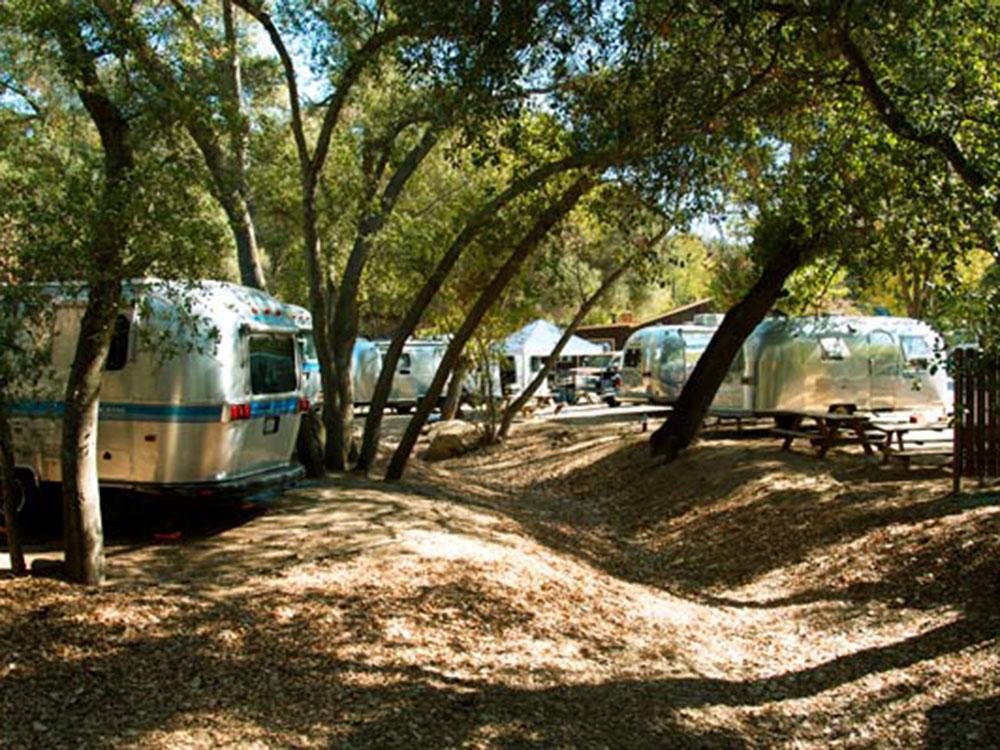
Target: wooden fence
(977, 415)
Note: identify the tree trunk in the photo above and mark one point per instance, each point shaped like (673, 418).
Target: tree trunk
(240, 218)
(550, 362)
(227, 170)
(242, 226)
(684, 422)
(338, 443)
(81, 497)
(453, 397)
(433, 284)
(310, 442)
(110, 228)
(344, 330)
(10, 499)
(548, 219)
(319, 303)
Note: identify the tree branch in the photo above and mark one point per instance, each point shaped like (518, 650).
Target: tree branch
(897, 121)
(291, 82)
(7, 83)
(352, 73)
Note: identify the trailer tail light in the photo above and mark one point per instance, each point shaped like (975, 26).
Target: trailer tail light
(239, 412)
(303, 405)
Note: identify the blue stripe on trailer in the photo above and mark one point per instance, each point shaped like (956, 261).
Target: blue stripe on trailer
(310, 367)
(124, 412)
(161, 412)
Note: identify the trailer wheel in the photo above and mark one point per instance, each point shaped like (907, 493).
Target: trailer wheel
(612, 402)
(404, 409)
(309, 444)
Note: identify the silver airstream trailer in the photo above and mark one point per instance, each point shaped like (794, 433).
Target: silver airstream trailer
(414, 372)
(639, 357)
(202, 391)
(657, 361)
(841, 363)
(820, 363)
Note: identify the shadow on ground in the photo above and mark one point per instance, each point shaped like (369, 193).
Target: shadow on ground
(326, 666)
(245, 670)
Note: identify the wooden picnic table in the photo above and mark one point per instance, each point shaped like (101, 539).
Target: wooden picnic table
(904, 440)
(828, 430)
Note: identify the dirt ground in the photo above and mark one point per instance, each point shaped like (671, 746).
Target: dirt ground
(563, 590)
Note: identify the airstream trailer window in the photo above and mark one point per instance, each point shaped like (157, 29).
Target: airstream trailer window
(405, 362)
(916, 349)
(633, 357)
(118, 353)
(272, 364)
(536, 364)
(833, 347)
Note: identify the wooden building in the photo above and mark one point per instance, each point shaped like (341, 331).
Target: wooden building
(616, 333)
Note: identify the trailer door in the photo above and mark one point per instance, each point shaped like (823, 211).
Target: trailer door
(265, 434)
(883, 369)
(631, 373)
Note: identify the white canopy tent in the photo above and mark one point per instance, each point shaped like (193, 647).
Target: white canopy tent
(529, 347)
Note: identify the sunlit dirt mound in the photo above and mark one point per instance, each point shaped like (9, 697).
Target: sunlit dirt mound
(561, 590)
(736, 514)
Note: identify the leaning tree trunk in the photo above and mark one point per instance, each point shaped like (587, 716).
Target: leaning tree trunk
(549, 218)
(433, 284)
(9, 489)
(550, 362)
(453, 397)
(696, 397)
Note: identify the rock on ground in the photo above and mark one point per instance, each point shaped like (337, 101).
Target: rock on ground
(452, 438)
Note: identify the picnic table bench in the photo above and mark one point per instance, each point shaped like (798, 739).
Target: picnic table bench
(827, 430)
(906, 440)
